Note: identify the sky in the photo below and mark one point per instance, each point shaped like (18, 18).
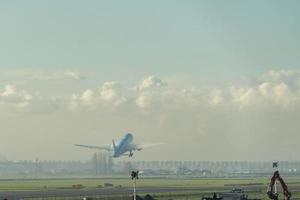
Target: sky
(213, 80)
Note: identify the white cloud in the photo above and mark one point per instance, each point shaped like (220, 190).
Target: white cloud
(217, 97)
(12, 95)
(144, 100)
(244, 96)
(152, 90)
(264, 88)
(283, 95)
(154, 93)
(151, 82)
(280, 75)
(110, 91)
(109, 94)
(74, 75)
(88, 97)
(288, 77)
(252, 113)
(280, 88)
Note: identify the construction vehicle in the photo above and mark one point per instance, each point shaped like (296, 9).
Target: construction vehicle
(272, 188)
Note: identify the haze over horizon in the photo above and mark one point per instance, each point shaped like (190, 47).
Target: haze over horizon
(211, 80)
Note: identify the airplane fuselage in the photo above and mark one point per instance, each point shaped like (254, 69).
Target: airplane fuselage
(125, 145)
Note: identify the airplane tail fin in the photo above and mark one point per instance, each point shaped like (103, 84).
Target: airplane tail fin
(114, 144)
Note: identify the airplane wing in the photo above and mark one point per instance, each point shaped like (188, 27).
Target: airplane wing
(143, 146)
(106, 147)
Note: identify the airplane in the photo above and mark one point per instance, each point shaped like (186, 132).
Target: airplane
(122, 148)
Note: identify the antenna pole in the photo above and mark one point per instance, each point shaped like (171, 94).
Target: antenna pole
(134, 177)
(134, 189)
(275, 165)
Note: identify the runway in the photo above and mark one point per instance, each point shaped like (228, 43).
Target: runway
(90, 192)
(16, 195)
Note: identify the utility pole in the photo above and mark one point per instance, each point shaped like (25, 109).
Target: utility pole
(275, 165)
(134, 177)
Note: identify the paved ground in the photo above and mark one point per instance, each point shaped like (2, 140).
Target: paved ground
(86, 192)
(16, 195)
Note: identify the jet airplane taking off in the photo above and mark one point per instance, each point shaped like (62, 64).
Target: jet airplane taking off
(122, 148)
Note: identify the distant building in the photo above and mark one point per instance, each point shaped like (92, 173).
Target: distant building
(102, 163)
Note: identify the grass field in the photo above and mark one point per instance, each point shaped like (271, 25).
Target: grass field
(210, 184)
(40, 184)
